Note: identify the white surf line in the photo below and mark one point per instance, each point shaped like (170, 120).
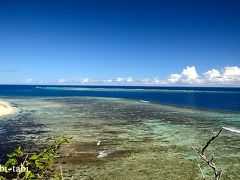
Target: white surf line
(144, 101)
(232, 129)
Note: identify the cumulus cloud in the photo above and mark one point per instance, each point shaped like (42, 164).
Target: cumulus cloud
(189, 75)
(230, 75)
(212, 75)
(173, 78)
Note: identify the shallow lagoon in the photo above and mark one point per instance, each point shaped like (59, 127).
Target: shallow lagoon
(144, 140)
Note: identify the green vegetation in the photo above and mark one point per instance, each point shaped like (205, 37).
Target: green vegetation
(22, 165)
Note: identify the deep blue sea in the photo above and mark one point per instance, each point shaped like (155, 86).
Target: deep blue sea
(212, 98)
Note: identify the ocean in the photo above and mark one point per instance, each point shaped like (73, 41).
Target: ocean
(148, 132)
(194, 97)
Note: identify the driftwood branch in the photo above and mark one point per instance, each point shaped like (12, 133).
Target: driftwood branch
(209, 162)
(200, 169)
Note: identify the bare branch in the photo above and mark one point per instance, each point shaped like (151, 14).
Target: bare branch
(25, 159)
(201, 154)
(200, 169)
(214, 136)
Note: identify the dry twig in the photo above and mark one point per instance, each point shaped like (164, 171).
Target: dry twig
(209, 162)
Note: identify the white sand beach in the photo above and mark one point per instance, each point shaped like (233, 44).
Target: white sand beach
(6, 108)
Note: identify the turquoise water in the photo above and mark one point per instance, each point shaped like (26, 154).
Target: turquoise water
(147, 133)
(144, 140)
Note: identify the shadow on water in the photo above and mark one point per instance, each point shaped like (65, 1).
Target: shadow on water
(17, 131)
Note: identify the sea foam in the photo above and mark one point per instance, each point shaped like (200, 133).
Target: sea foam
(232, 129)
(143, 101)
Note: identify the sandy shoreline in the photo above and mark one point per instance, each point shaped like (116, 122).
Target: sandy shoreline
(6, 108)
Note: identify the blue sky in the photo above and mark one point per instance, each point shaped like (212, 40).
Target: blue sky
(120, 41)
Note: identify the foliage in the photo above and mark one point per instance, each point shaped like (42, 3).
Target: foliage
(37, 165)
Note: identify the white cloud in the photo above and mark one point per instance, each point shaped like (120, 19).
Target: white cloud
(156, 80)
(28, 81)
(121, 80)
(107, 81)
(232, 71)
(189, 75)
(62, 80)
(73, 81)
(173, 78)
(150, 81)
(129, 79)
(230, 75)
(212, 75)
(145, 81)
(84, 80)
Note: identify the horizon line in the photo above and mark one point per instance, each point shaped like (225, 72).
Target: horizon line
(122, 85)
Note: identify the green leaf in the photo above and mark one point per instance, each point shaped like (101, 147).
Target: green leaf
(29, 174)
(11, 162)
(41, 153)
(39, 165)
(32, 176)
(19, 150)
(16, 153)
(40, 162)
(63, 139)
(34, 157)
